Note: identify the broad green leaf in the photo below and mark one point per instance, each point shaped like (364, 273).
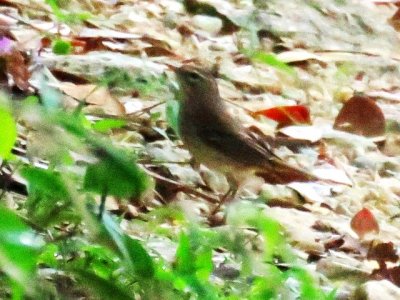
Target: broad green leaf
(140, 259)
(184, 257)
(204, 264)
(131, 250)
(76, 124)
(49, 200)
(8, 133)
(104, 289)
(45, 181)
(19, 248)
(107, 124)
(100, 260)
(115, 174)
(193, 268)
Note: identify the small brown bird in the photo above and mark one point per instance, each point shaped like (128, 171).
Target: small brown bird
(219, 141)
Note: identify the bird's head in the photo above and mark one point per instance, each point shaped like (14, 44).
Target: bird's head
(196, 84)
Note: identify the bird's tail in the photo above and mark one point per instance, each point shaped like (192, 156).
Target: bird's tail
(277, 172)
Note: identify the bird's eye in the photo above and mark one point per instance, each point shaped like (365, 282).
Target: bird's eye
(192, 76)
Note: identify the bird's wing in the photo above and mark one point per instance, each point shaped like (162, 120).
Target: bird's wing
(253, 151)
(237, 145)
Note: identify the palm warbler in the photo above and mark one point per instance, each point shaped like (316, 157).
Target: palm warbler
(219, 141)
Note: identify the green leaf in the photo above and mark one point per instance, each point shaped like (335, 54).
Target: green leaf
(107, 124)
(274, 239)
(184, 257)
(115, 174)
(193, 268)
(70, 18)
(48, 257)
(172, 112)
(100, 260)
(273, 61)
(31, 100)
(204, 265)
(140, 259)
(76, 124)
(62, 47)
(8, 133)
(273, 235)
(49, 200)
(45, 181)
(268, 287)
(104, 289)
(19, 248)
(132, 251)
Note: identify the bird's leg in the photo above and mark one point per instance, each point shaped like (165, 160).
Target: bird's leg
(229, 195)
(232, 191)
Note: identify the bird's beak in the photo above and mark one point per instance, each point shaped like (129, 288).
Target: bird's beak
(172, 68)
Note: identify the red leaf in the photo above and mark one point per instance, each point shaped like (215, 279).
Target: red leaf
(45, 42)
(364, 222)
(287, 115)
(361, 115)
(78, 43)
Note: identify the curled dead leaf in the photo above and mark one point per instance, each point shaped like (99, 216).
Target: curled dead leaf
(361, 115)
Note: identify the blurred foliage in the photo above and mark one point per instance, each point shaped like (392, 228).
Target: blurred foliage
(122, 81)
(65, 16)
(69, 250)
(8, 132)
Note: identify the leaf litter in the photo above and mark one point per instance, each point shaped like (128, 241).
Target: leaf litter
(336, 49)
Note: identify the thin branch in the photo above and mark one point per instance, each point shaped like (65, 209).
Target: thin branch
(184, 188)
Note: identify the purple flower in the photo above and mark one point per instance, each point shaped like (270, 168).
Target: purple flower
(6, 45)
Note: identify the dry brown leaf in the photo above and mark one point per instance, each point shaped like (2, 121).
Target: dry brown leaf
(395, 20)
(383, 252)
(391, 96)
(361, 115)
(106, 33)
(95, 95)
(16, 66)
